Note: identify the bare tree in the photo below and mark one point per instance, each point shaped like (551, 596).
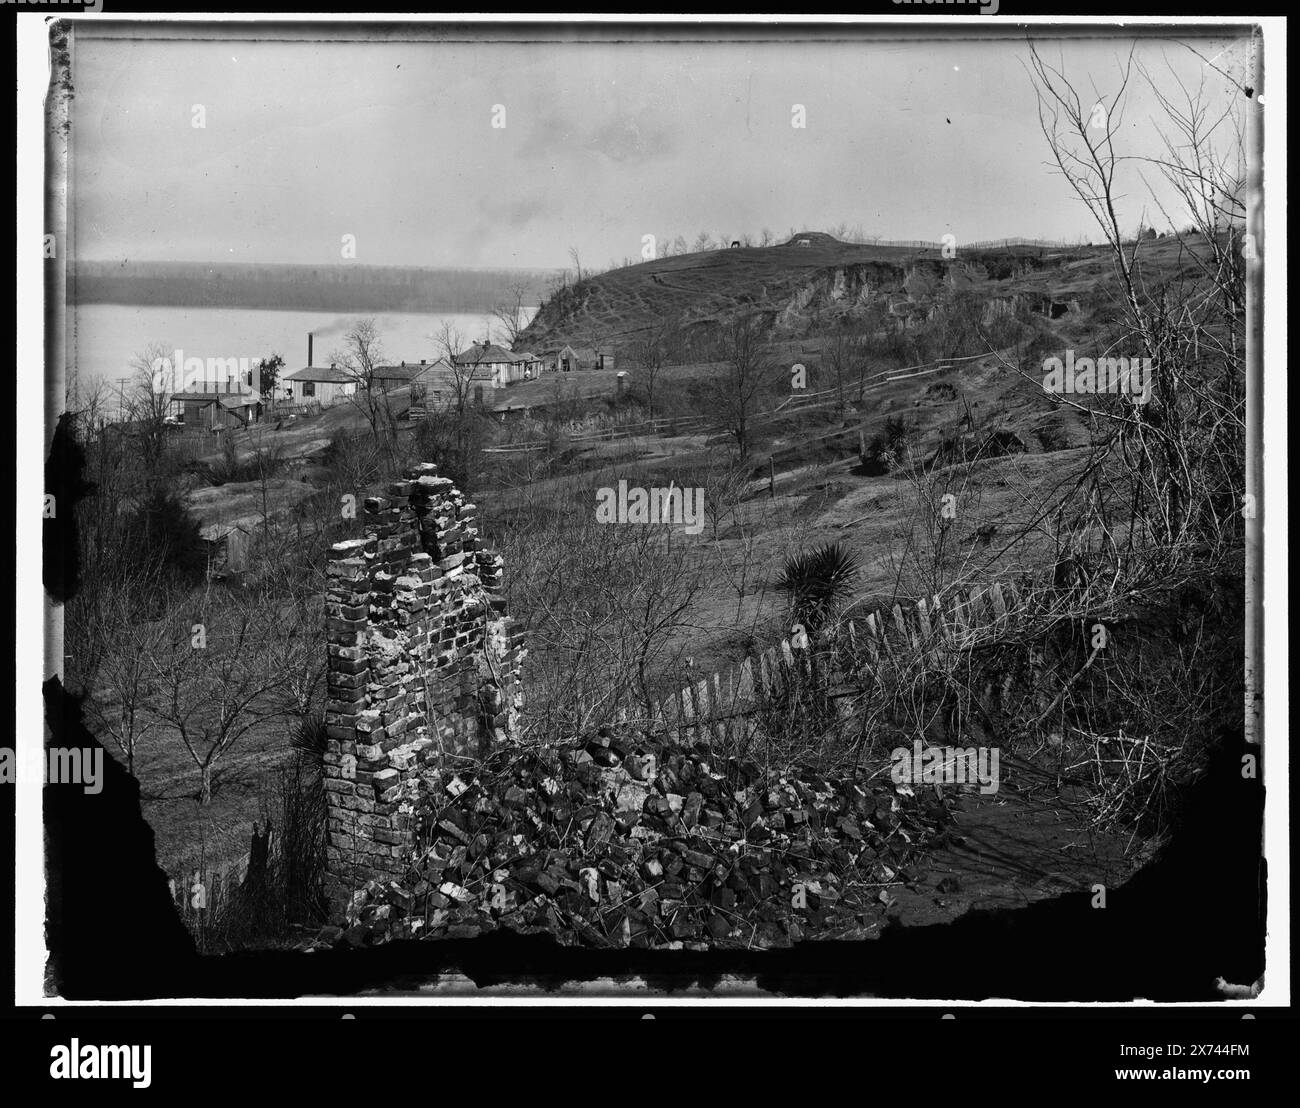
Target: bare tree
(148, 403)
(650, 353)
(509, 312)
(844, 353)
(604, 606)
(122, 683)
(298, 653)
(213, 681)
(748, 371)
(1182, 451)
(456, 431)
(360, 356)
(109, 562)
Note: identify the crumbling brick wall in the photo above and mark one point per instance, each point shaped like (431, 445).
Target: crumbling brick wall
(423, 669)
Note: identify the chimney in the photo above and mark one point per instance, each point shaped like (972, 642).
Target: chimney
(309, 348)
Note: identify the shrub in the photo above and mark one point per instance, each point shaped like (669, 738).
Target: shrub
(818, 580)
(166, 537)
(231, 468)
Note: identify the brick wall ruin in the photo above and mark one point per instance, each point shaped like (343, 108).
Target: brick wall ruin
(423, 669)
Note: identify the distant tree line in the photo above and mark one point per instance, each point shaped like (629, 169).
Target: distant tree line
(304, 287)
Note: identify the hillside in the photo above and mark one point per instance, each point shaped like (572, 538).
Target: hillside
(798, 290)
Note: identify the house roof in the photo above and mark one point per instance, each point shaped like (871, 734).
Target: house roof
(491, 352)
(324, 375)
(403, 372)
(215, 532)
(241, 399)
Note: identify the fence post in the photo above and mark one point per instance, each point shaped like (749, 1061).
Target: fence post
(687, 716)
(873, 637)
(670, 713)
(957, 617)
(941, 619)
(999, 604)
(745, 688)
(903, 629)
(718, 730)
(923, 616)
(702, 713)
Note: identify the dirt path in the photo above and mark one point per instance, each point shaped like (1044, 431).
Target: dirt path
(1013, 850)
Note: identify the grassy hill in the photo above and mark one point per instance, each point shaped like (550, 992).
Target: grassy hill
(936, 410)
(799, 290)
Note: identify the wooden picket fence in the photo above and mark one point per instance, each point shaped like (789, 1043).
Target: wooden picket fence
(721, 704)
(200, 894)
(204, 891)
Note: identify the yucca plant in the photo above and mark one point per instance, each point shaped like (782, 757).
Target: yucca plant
(818, 580)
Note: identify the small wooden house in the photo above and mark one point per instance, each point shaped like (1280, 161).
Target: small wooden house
(533, 365)
(217, 411)
(442, 384)
(570, 358)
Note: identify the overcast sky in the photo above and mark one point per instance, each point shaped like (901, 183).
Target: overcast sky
(603, 142)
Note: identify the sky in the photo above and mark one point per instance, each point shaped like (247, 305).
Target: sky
(393, 143)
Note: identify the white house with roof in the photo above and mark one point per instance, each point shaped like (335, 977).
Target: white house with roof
(323, 385)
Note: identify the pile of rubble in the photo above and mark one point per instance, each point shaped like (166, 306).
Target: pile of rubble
(632, 841)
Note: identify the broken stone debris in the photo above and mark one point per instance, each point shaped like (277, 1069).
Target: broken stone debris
(633, 841)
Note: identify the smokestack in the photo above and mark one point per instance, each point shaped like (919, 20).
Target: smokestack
(309, 348)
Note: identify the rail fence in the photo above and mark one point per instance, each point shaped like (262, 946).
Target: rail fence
(670, 425)
(983, 244)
